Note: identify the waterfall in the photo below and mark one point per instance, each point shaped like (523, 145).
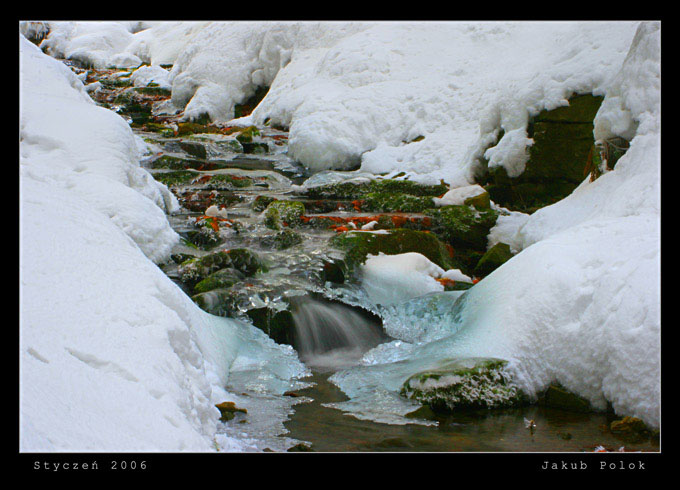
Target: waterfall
(333, 335)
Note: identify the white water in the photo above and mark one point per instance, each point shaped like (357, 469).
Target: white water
(330, 336)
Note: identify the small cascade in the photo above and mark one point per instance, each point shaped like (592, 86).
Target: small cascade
(330, 336)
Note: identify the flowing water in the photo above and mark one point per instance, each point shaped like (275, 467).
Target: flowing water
(331, 332)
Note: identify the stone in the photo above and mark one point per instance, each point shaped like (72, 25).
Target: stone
(358, 245)
(283, 213)
(493, 259)
(558, 397)
(463, 226)
(470, 383)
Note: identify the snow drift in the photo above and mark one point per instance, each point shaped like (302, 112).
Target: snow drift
(113, 355)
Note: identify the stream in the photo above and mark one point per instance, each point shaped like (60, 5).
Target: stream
(334, 324)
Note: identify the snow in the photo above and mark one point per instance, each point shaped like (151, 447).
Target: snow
(457, 196)
(147, 74)
(391, 279)
(113, 355)
(580, 303)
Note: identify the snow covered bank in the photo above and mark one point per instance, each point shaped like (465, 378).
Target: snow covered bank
(361, 94)
(581, 303)
(113, 355)
(364, 92)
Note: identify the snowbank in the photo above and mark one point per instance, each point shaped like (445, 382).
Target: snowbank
(113, 355)
(390, 279)
(360, 96)
(581, 303)
(420, 97)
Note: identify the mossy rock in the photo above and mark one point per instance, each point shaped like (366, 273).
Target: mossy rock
(471, 383)
(245, 261)
(282, 240)
(222, 279)
(559, 159)
(581, 109)
(391, 202)
(166, 92)
(254, 148)
(631, 428)
(246, 135)
(228, 410)
(186, 128)
(279, 325)
(110, 83)
(261, 202)
(179, 258)
(358, 190)
(463, 226)
(480, 201)
(558, 397)
(281, 213)
(359, 244)
(493, 259)
(229, 182)
(194, 149)
(204, 238)
(178, 177)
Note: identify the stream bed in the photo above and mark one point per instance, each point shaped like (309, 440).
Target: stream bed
(219, 180)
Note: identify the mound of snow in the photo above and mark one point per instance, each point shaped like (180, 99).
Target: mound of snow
(113, 355)
(390, 279)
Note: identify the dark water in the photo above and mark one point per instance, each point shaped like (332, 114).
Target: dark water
(500, 430)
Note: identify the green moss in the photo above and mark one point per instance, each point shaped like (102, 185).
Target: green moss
(246, 134)
(178, 177)
(463, 226)
(148, 90)
(359, 244)
(354, 190)
(493, 259)
(280, 212)
(186, 128)
(223, 278)
(559, 159)
(230, 181)
(480, 201)
(464, 384)
(389, 202)
(243, 260)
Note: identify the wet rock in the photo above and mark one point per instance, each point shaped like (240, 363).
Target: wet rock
(629, 426)
(480, 201)
(256, 148)
(223, 278)
(204, 238)
(282, 240)
(279, 325)
(195, 270)
(154, 91)
(493, 259)
(464, 384)
(186, 128)
(228, 410)
(359, 244)
(463, 226)
(246, 134)
(194, 149)
(177, 177)
(558, 397)
(389, 202)
(261, 202)
(358, 190)
(301, 447)
(283, 213)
